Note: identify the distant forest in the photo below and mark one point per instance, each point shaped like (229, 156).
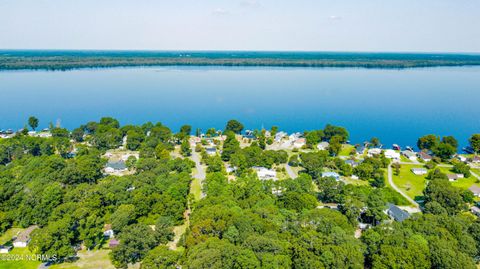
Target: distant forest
(65, 60)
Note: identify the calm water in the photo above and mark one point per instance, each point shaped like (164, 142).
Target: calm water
(397, 106)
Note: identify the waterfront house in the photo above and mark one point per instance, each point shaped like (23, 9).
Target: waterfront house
(424, 156)
(323, 145)
(279, 136)
(412, 156)
(461, 158)
(392, 154)
(23, 238)
(360, 150)
(419, 171)
(397, 213)
(299, 143)
(475, 189)
(374, 151)
(331, 174)
(476, 159)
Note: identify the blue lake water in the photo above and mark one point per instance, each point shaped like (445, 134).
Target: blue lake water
(397, 106)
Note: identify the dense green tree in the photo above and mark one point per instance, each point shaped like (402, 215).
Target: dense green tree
(33, 122)
(161, 258)
(428, 142)
(122, 217)
(230, 146)
(234, 126)
(135, 242)
(475, 142)
(331, 131)
(335, 145)
(185, 148)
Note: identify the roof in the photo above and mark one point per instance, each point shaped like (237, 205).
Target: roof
(330, 174)
(397, 214)
(24, 236)
(452, 176)
(475, 189)
(424, 155)
(120, 165)
(419, 170)
(409, 153)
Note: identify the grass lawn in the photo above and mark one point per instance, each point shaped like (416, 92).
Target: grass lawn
(88, 260)
(9, 234)
(346, 149)
(355, 182)
(410, 183)
(463, 183)
(196, 189)
(24, 264)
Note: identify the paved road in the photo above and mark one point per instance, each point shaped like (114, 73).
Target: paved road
(390, 181)
(290, 171)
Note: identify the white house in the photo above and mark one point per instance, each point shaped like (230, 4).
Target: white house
(300, 142)
(331, 174)
(419, 171)
(392, 154)
(107, 231)
(323, 145)
(412, 156)
(374, 151)
(475, 189)
(265, 174)
(23, 238)
(279, 136)
(5, 249)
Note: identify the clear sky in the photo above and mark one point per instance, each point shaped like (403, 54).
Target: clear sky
(313, 25)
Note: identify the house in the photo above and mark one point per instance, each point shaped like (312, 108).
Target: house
(452, 177)
(23, 238)
(118, 166)
(396, 147)
(331, 174)
(299, 143)
(374, 151)
(5, 249)
(295, 136)
(412, 156)
(475, 210)
(113, 243)
(230, 169)
(360, 150)
(397, 213)
(424, 156)
(475, 189)
(265, 174)
(211, 150)
(392, 154)
(419, 171)
(461, 158)
(476, 159)
(279, 136)
(352, 163)
(323, 145)
(107, 231)
(249, 134)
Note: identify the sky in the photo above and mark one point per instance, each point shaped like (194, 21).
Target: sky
(272, 25)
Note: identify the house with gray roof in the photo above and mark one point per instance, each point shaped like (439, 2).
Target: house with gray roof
(397, 213)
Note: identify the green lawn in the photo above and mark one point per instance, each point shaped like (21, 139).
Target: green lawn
(9, 234)
(88, 260)
(196, 189)
(346, 149)
(410, 183)
(24, 264)
(355, 182)
(463, 183)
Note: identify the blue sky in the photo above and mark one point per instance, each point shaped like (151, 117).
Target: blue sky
(312, 25)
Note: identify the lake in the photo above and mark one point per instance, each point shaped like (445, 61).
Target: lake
(397, 106)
